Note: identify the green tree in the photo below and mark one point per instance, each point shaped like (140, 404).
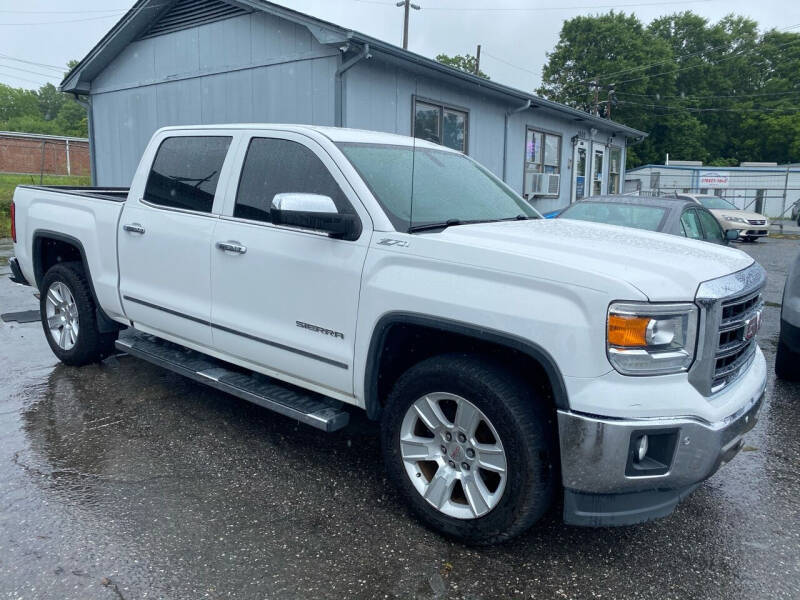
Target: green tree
(462, 62)
(45, 110)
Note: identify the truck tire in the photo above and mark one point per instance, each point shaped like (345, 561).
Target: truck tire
(470, 447)
(69, 317)
(787, 363)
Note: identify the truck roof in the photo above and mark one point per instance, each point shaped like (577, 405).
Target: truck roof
(335, 134)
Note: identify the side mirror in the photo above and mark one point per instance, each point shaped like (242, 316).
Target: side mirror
(731, 234)
(315, 212)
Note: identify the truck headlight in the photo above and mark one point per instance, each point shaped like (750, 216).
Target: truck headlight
(651, 339)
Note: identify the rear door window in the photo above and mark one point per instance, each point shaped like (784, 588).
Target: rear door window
(691, 225)
(185, 172)
(712, 231)
(274, 166)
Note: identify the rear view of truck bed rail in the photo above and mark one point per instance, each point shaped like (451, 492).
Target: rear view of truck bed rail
(115, 194)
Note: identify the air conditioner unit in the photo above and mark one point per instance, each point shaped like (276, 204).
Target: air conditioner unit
(542, 184)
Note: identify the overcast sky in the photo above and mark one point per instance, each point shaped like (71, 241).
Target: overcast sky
(51, 32)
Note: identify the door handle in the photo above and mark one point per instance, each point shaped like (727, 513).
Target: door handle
(133, 228)
(230, 246)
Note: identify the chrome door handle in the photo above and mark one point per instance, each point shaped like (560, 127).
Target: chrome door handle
(232, 247)
(134, 228)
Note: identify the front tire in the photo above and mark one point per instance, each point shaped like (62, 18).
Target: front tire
(786, 363)
(69, 317)
(470, 447)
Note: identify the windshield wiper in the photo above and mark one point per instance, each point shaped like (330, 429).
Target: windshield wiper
(430, 226)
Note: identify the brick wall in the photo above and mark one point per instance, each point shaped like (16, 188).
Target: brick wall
(24, 155)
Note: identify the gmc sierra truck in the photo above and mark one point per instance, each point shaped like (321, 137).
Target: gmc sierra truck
(509, 359)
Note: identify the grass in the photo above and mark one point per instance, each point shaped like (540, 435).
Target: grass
(8, 182)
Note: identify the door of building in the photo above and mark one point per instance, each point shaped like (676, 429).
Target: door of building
(580, 171)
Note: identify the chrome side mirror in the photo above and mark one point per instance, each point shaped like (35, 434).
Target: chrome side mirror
(314, 212)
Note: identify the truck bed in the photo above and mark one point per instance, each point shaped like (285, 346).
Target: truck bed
(114, 194)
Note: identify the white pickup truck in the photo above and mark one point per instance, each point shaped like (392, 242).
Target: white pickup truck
(510, 359)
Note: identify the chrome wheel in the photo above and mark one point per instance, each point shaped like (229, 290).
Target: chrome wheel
(453, 455)
(62, 316)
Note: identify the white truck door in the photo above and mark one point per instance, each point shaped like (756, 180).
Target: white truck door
(286, 299)
(165, 238)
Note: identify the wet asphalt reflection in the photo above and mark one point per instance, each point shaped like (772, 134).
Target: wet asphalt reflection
(122, 480)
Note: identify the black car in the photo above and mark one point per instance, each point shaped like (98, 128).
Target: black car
(667, 215)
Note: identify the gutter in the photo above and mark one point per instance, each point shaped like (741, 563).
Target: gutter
(522, 108)
(339, 81)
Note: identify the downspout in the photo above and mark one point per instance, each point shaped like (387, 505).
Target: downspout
(87, 104)
(339, 83)
(525, 106)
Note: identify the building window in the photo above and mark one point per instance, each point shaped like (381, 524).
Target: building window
(441, 124)
(542, 157)
(614, 169)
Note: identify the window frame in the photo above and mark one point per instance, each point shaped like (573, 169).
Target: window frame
(442, 106)
(324, 157)
(701, 211)
(692, 209)
(612, 148)
(219, 190)
(544, 133)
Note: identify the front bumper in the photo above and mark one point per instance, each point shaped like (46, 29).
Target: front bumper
(601, 488)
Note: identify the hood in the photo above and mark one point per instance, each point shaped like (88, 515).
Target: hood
(742, 214)
(664, 267)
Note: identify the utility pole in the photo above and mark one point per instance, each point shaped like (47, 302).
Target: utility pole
(407, 5)
(596, 100)
(478, 60)
(612, 99)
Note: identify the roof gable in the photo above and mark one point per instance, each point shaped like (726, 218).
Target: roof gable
(148, 18)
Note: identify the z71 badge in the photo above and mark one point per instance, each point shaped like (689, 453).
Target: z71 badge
(391, 242)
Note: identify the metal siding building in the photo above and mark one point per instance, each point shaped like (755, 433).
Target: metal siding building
(770, 190)
(174, 62)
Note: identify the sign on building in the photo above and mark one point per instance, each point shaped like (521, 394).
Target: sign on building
(713, 179)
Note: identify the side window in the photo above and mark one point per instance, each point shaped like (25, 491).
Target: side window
(711, 228)
(691, 225)
(274, 166)
(185, 172)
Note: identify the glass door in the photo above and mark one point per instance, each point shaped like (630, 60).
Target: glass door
(580, 172)
(598, 158)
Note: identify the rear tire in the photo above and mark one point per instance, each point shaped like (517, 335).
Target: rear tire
(787, 363)
(69, 317)
(510, 417)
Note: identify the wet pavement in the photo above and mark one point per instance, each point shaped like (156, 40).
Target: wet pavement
(123, 480)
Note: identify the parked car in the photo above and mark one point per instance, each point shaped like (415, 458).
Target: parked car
(750, 225)
(653, 213)
(508, 358)
(787, 359)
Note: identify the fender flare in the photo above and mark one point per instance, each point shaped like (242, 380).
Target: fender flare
(384, 324)
(104, 323)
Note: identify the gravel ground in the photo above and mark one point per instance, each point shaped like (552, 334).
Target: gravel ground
(122, 480)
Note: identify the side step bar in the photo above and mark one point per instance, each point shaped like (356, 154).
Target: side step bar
(293, 402)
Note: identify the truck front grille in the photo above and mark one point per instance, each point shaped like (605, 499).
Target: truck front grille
(736, 342)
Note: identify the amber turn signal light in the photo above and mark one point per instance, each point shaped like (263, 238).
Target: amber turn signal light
(627, 331)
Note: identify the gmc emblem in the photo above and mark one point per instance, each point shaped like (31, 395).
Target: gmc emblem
(751, 326)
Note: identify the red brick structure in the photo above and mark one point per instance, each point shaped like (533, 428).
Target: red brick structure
(34, 153)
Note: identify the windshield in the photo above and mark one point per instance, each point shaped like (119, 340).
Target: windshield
(716, 202)
(422, 186)
(628, 215)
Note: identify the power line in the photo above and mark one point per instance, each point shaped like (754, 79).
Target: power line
(715, 62)
(62, 12)
(111, 16)
(711, 96)
(30, 62)
(557, 8)
(702, 110)
(39, 83)
(670, 60)
(48, 75)
(497, 58)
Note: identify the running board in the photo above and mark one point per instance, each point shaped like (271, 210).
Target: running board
(291, 401)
